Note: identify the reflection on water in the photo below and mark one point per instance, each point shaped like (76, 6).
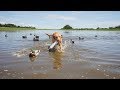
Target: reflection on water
(32, 59)
(57, 62)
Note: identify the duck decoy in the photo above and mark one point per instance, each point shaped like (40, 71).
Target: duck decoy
(81, 38)
(6, 35)
(35, 39)
(24, 36)
(34, 53)
(37, 36)
(95, 35)
(72, 41)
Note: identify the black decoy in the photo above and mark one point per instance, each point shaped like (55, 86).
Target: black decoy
(24, 36)
(81, 38)
(95, 35)
(37, 36)
(35, 39)
(72, 41)
(6, 35)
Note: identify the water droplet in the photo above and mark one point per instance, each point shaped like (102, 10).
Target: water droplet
(107, 75)
(97, 69)
(82, 76)
(99, 65)
(5, 70)
(113, 77)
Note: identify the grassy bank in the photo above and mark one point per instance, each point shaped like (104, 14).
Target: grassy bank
(14, 28)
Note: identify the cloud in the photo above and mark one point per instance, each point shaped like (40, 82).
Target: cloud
(53, 16)
(76, 12)
(16, 21)
(1, 22)
(8, 19)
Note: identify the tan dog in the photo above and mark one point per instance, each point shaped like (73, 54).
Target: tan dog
(56, 37)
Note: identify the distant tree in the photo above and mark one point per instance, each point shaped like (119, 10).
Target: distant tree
(67, 27)
(0, 25)
(13, 25)
(98, 28)
(110, 27)
(18, 26)
(117, 26)
(10, 25)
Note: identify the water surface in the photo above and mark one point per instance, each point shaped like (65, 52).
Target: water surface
(90, 58)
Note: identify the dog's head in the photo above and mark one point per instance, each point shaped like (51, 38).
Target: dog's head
(57, 36)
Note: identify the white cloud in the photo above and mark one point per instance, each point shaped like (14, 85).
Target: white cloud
(76, 12)
(8, 19)
(101, 17)
(2, 22)
(53, 16)
(24, 24)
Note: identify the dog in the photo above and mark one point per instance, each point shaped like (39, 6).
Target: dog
(56, 37)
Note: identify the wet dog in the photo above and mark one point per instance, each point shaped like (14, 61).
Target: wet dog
(56, 37)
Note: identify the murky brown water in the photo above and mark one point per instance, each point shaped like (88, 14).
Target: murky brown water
(90, 58)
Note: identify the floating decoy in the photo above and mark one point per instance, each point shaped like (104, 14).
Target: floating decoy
(81, 38)
(34, 53)
(72, 41)
(95, 35)
(37, 36)
(30, 33)
(24, 36)
(6, 35)
(35, 39)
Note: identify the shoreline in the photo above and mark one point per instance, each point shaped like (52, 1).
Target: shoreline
(15, 29)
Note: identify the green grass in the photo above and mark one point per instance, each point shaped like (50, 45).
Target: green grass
(13, 28)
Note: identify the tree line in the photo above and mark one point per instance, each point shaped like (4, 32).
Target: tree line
(69, 27)
(13, 25)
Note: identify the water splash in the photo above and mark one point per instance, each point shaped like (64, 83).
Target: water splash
(22, 52)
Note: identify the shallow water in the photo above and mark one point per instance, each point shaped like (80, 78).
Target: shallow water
(90, 58)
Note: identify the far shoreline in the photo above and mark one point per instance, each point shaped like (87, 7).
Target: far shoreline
(19, 29)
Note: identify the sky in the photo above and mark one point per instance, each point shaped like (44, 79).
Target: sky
(58, 19)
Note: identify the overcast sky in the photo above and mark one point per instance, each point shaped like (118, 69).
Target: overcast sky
(58, 19)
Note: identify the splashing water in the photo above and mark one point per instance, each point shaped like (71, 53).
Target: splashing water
(21, 52)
